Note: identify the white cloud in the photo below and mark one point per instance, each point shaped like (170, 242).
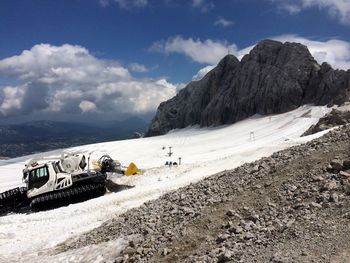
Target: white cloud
(87, 106)
(202, 72)
(131, 3)
(197, 3)
(125, 4)
(290, 8)
(104, 3)
(11, 99)
(339, 9)
(208, 51)
(137, 67)
(135, 96)
(50, 64)
(68, 79)
(223, 22)
(203, 5)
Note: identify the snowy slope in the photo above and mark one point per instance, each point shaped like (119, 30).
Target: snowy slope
(203, 152)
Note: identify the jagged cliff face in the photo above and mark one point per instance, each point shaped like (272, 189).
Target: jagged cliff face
(273, 78)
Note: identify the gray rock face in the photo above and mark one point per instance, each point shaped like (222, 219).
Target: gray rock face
(273, 78)
(332, 119)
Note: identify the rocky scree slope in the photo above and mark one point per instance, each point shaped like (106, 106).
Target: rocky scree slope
(290, 207)
(273, 78)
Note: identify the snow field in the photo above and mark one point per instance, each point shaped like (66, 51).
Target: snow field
(204, 152)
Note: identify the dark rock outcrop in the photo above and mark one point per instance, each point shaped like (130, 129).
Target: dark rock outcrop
(273, 78)
(330, 120)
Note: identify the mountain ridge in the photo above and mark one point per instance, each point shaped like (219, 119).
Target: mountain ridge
(273, 78)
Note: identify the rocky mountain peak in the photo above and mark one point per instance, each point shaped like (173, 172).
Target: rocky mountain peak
(228, 61)
(274, 77)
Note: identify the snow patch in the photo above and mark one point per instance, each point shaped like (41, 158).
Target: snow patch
(203, 152)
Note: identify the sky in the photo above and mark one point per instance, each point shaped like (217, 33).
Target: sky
(93, 60)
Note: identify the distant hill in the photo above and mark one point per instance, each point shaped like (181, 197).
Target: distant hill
(273, 78)
(37, 136)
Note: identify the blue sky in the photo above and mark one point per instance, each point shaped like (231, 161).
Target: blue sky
(137, 53)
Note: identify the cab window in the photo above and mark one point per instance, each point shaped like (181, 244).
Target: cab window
(38, 177)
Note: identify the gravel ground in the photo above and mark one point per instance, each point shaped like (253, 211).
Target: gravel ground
(290, 207)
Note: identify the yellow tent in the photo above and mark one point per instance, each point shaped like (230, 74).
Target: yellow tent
(132, 169)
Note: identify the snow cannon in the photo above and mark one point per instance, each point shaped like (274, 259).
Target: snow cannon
(107, 165)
